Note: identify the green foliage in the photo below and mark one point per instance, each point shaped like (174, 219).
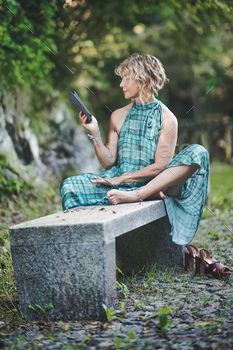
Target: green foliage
(166, 310)
(163, 319)
(6, 270)
(221, 187)
(127, 344)
(60, 45)
(43, 313)
(165, 276)
(25, 33)
(137, 304)
(164, 323)
(110, 314)
(123, 310)
(10, 313)
(9, 187)
(119, 270)
(9, 182)
(123, 288)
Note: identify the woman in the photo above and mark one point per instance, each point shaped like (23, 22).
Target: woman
(137, 155)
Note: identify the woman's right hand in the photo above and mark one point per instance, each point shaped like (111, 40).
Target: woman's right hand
(93, 126)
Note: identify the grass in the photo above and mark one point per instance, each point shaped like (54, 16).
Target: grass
(221, 183)
(221, 178)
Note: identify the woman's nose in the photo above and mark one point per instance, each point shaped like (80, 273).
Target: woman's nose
(121, 84)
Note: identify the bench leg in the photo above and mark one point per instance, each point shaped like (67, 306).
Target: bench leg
(76, 278)
(148, 245)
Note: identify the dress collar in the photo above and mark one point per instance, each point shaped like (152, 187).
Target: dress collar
(145, 106)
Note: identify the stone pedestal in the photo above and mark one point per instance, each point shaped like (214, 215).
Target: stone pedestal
(146, 246)
(68, 259)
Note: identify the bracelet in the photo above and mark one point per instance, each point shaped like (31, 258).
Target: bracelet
(94, 137)
(128, 179)
(139, 197)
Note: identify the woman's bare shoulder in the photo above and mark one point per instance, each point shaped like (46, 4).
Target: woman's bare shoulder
(119, 115)
(167, 116)
(123, 110)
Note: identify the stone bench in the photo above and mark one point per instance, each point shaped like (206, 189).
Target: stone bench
(69, 258)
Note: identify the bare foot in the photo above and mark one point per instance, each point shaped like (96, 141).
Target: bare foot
(117, 197)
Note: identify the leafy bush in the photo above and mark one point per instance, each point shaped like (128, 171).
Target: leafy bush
(10, 183)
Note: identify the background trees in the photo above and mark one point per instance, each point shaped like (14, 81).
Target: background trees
(49, 48)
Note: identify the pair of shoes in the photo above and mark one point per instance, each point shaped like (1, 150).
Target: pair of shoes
(204, 263)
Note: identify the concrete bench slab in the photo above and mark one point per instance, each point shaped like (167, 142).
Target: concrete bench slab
(69, 258)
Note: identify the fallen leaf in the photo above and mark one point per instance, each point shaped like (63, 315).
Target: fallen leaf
(103, 326)
(102, 209)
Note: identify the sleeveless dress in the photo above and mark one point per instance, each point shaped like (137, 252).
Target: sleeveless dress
(137, 144)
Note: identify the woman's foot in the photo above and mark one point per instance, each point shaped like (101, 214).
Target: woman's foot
(116, 196)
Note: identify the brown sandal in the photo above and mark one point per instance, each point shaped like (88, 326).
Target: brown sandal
(206, 264)
(191, 253)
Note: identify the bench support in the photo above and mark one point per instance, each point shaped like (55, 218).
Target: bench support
(76, 278)
(146, 246)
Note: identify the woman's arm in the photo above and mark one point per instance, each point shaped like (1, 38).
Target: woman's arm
(163, 155)
(106, 153)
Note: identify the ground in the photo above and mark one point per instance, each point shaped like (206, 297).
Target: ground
(154, 310)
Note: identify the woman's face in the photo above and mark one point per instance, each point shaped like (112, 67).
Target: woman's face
(130, 87)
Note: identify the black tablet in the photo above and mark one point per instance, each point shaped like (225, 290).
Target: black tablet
(79, 105)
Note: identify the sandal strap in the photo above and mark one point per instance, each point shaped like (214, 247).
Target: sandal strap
(206, 257)
(220, 267)
(190, 250)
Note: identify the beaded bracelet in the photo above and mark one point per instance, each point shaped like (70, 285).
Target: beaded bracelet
(139, 197)
(94, 137)
(126, 179)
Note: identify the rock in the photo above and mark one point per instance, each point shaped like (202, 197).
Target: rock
(76, 335)
(9, 174)
(6, 144)
(68, 147)
(2, 324)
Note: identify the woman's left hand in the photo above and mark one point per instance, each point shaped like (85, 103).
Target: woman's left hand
(114, 181)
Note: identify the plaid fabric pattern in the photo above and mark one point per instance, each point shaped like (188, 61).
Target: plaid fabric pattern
(184, 212)
(137, 145)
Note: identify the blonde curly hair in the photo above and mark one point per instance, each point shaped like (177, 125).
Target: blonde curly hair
(149, 72)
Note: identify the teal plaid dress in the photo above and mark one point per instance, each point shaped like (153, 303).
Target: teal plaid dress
(137, 144)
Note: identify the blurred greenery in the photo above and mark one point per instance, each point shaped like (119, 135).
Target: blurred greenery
(61, 45)
(222, 187)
